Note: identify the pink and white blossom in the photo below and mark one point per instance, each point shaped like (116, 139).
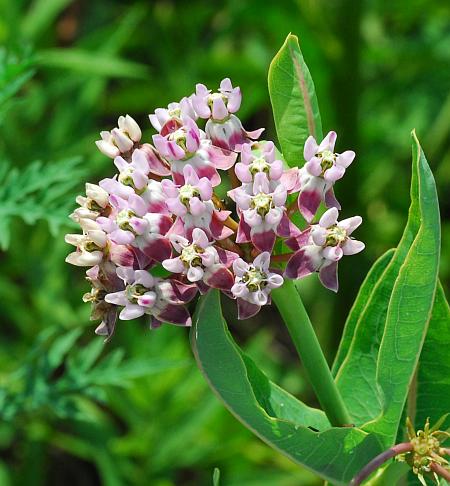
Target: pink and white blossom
(145, 294)
(201, 261)
(322, 169)
(165, 120)
(253, 284)
(321, 246)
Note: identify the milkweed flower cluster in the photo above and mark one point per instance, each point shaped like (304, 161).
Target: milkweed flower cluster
(156, 234)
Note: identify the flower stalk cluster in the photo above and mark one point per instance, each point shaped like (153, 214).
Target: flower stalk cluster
(156, 234)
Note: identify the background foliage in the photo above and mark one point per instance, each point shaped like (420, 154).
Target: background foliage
(137, 411)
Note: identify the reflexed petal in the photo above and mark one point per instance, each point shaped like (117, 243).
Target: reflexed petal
(175, 314)
(329, 218)
(117, 298)
(158, 249)
(218, 277)
(264, 241)
(330, 199)
(131, 311)
(121, 255)
(246, 309)
(351, 247)
(333, 253)
(300, 265)
(328, 276)
(308, 203)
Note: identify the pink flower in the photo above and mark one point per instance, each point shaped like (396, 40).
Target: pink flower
(263, 214)
(253, 284)
(321, 246)
(257, 158)
(145, 294)
(165, 120)
(192, 204)
(322, 169)
(200, 261)
(181, 143)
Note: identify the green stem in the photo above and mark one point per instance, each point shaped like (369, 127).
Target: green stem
(294, 314)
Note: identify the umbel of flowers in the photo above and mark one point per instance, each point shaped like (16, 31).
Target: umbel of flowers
(156, 234)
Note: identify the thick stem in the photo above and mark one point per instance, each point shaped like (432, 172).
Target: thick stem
(294, 314)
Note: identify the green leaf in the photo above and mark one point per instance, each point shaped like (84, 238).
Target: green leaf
(362, 298)
(389, 333)
(294, 101)
(432, 392)
(301, 433)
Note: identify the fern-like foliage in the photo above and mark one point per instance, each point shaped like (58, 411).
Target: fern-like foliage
(59, 373)
(15, 70)
(37, 192)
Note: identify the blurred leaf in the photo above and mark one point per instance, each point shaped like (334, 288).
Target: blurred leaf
(284, 423)
(41, 15)
(15, 71)
(294, 101)
(91, 63)
(37, 192)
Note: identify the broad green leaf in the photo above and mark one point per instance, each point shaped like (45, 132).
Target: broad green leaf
(410, 306)
(362, 298)
(294, 101)
(384, 318)
(289, 426)
(432, 392)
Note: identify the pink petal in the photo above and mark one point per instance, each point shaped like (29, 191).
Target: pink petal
(174, 265)
(131, 311)
(329, 218)
(330, 199)
(328, 142)
(234, 100)
(346, 158)
(351, 247)
(313, 167)
(175, 314)
(246, 309)
(333, 253)
(310, 148)
(308, 203)
(328, 276)
(350, 224)
(300, 265)
(262, 261)
(334, 173)
(219, 110)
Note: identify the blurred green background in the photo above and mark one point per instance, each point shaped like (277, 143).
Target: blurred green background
(137, 411)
